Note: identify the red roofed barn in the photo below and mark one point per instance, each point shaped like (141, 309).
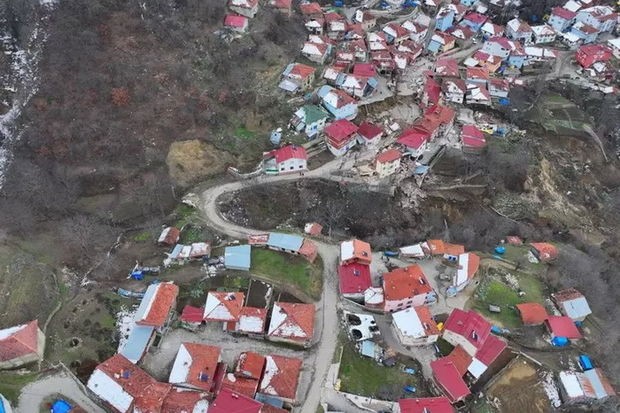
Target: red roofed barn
(21, 345)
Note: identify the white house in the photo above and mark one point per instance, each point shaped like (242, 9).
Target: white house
(519, 30)
(309, 119)
(315, 51)
(406, 287)
(561, 18)
(454, 89)
(543, 34)
(602, 18)
(415, 326)
(288, 159)
(498, 46)
(387, 162)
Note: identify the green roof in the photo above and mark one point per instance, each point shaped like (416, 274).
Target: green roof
(314, 113)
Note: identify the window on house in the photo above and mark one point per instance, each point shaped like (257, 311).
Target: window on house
(292, 167)
(301, 166)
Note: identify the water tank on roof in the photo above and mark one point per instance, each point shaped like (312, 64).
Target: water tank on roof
(276, 136)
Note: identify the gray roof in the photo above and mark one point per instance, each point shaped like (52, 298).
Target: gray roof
(597, 385)
(238, 256)
(285, 241)
(136, 344)
(577, 307)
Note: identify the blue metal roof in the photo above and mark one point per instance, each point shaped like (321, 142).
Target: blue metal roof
(285, 241)
(238, 256)
(270, 400)
(149, 294)
(136, 345)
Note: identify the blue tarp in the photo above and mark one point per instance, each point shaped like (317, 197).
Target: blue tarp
(3, 403)
(420, 170)
(238, 257)
(61, 406)
(500, 250)
(137, 343)
(285, 241)
(560, 341)
(586, 363)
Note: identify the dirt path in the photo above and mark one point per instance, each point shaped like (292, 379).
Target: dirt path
(35, 394)
(327, 336)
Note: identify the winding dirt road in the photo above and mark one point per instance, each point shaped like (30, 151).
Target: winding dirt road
(326, 307)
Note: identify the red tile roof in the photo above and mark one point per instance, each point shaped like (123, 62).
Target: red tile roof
(566, 295)
(161, 305)
(388, 156)
(298, 318)
(546, 251)
(472, 137)
(183, 401)
(426, 405)
(281, 4)
(290, 152)
(204, 362)
(414, 137)
(254, 312)
(364, 69)
(250, 365)
(302, 70)
(432, 90)
(268, 408)
(448, 378)
(453, 249)
(369, 130)
(532, 313)
(21, 342)
(563, 326)
(313, 228)
(563, 13)
(308, 250)
(514, 240)
(228, 401)
(233, 306)
(447, 66)
(475, 18)
(426, 318)
(341, 130)
(310, 8)
(437, 246)
(281, 376)
(477, 73)
(403, 283)
(241, 385)
(192, 314)
(233, 20)
(354, 278)
(148, 393)
(460, 359)
(470, 325)
(490, 350)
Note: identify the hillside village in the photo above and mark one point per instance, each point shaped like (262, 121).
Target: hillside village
(299, 320)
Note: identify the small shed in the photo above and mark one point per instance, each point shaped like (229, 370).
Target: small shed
(238, 257)
(169, 236)
(532, 313)
(562, 326)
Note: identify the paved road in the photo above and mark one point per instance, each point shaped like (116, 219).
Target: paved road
(329, 254)
(35, 394)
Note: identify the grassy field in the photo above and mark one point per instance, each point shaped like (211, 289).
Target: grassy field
(12, 383)
(492, 290)
(289, 270)
(363, 376)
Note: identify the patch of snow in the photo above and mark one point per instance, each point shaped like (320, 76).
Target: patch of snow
(7, 332)
(551, 389)
(271, 370)
(124, 324)
(182, 364)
